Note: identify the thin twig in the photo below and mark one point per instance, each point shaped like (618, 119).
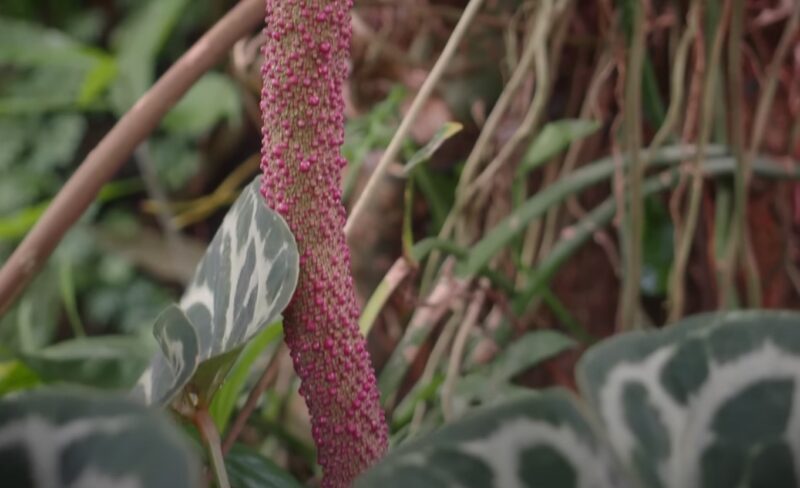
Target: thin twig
(439, 348)
(422, 96)
(117, 146)
(739, 234)
(473, 162)
(533, 116)
(727, 262)
(684, 241)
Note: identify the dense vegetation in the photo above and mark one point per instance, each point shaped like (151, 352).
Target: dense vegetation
(543, 198)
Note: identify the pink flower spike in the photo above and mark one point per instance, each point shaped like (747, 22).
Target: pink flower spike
(306, 53)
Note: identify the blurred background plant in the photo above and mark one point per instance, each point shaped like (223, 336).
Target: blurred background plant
(582, 168)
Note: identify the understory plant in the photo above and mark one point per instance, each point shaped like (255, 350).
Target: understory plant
(708, 401)
(712, 401)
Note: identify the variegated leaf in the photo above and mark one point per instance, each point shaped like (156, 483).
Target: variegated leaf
(174, 366)
(543, 440)
(54, 439)
(243, 283)
(713, 401)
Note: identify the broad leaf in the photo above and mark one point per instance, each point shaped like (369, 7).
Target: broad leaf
(542, 440)
(136, 42)
(44, 58)
(213, 98)
(54, 439)
(249, 469)
(243, 283)
(102, 361)
(712, 401)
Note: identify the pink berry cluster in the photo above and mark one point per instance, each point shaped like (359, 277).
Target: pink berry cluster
(306, 53)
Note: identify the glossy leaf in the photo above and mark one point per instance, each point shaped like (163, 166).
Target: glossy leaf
(242, 284)
(61, 438)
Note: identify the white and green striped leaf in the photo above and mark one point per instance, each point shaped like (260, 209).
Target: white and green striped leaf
(543, 440)
(61, 438)
(174, 366)
(242, 284)
(712, 401)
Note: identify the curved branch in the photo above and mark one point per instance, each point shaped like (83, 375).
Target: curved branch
(117, 146)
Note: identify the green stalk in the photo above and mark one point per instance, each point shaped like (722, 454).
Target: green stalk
(632, 231)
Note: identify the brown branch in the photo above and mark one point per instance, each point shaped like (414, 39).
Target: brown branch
(117, 146)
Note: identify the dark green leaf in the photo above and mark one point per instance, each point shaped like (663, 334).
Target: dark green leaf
(136, 42)
(701, 398)
(61, 438)
(102, 361)
(249, 469)
(541, 440)
(45, 59)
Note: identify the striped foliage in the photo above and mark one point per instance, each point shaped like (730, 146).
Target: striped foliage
(713, 401)
(544, 438)
(55, 439)
(242, 284)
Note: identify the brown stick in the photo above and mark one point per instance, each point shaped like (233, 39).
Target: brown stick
(117, 146)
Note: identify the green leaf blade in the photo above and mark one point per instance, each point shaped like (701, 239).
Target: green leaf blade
(554, 138)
